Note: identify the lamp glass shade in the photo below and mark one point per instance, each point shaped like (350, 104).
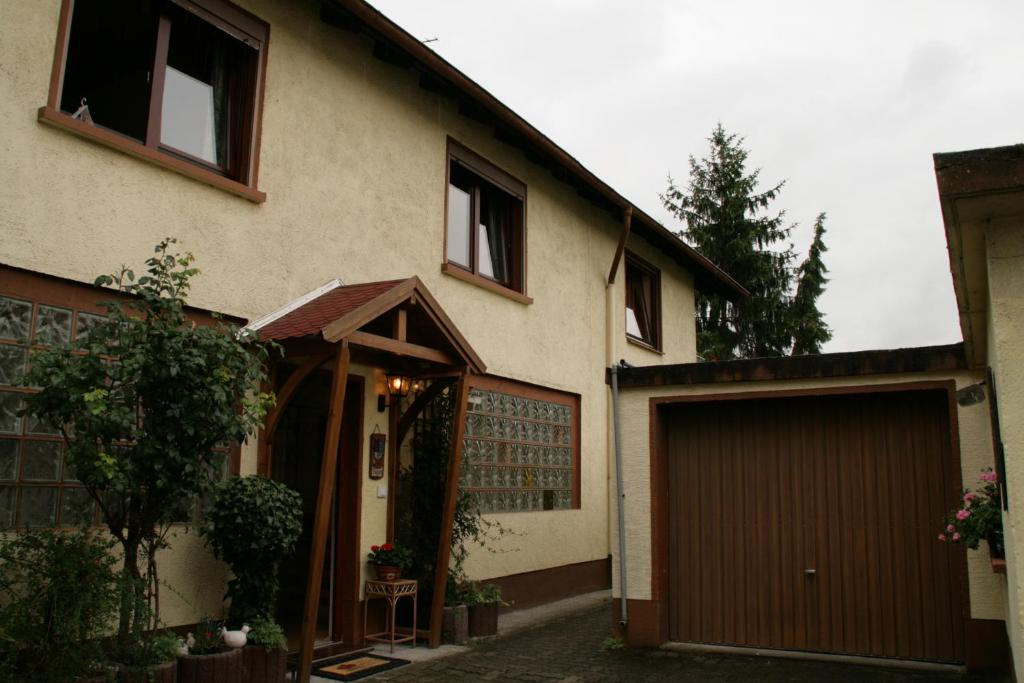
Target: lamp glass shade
(398, 385)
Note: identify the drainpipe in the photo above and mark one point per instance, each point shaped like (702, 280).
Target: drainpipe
(621, 495)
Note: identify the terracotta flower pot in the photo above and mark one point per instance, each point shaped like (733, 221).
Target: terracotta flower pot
(219, 667)
(260, 665)
(387, 572)
(483, 619)
(161, 673)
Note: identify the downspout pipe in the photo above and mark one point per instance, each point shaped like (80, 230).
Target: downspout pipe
(620, 494)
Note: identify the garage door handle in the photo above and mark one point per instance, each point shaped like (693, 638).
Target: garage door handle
(810, 572)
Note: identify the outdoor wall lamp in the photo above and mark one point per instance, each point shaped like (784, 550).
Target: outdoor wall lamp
(398, 386)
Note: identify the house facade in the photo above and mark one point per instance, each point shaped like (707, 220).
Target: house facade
(289, 144)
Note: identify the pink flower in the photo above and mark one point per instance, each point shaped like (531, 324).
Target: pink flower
(950, 528)
(989, 476)
(942, 537)
(969, 496)
(956, 537)
(963, 514)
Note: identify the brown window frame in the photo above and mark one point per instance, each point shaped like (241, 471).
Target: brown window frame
(52, 292)
(501, 385)
(240, 175)
(635, 264)
(473, 164)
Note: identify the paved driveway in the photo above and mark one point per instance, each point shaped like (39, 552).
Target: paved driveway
(569, 649)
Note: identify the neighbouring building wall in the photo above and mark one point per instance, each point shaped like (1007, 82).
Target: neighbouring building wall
(353, 162)
(1005, 247)
(987, 590)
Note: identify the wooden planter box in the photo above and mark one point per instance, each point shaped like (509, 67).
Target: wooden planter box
(219, 667)
(260, 665)
(483, 620)
(161, 673)
(455, 629)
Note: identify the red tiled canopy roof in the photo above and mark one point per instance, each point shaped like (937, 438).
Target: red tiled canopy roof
(313, 316)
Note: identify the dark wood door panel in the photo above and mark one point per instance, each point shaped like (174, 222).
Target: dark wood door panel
(808, 523)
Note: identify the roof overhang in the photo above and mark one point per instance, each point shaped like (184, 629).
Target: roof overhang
(812, 366)
(976, 188)
(394, 45)
(392, 322)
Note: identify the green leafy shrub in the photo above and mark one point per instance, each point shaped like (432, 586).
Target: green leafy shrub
(58, 593)
(267, 634)
(253, 523)
(143, 405)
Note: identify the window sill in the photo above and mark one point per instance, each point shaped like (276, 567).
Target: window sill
(644, 345)
(58, 119)
(484, 283)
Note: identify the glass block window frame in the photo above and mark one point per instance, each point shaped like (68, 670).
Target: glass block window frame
(36, 487)
(521, 448)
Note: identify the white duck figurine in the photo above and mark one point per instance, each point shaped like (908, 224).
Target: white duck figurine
(235, 639)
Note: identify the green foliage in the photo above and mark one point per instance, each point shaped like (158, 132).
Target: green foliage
(266, 633)
(727, 219)
(611, 643)
(58, 592)
(979, 518)
(207, 638)
(475, 593)
(421, 498)
(253, 523)
(809, 328)
(390, 555)
(142, 403)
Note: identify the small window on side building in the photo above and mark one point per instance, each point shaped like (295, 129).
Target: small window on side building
(178, 76)
(643, 302)
(486, 220)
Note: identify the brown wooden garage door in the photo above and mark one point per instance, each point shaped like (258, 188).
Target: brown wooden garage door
(810, 523)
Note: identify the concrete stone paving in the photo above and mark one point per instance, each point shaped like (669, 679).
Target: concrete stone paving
(569, 649)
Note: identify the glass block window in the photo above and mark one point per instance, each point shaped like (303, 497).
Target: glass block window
(37, 488)
(521, 449)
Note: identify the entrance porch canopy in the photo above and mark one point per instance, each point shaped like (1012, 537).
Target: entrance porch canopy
(396, 325)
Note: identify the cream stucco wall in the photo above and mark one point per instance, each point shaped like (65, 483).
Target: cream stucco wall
(987, 590)
(1005, 262)
(353, 164)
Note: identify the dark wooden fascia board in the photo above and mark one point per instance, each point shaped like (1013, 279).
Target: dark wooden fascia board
(995, 169)
(857, 363)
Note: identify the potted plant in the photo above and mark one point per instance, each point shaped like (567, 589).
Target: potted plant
(483, 602)
(58, 592)
(152, 658)
(265, 657)
(388, 561)
(455, 621)
(979, 517)
(209, 660)
(144, 404)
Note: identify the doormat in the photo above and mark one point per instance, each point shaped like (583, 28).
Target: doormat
(355, 666)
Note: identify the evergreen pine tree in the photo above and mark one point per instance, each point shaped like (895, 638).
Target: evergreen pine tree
(810, 330)
(727, 219)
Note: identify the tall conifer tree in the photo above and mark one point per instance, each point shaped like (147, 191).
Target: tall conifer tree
(810, 330)
(729, 220)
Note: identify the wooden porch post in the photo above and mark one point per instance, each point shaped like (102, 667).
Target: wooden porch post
(322, 521)
(444, 546)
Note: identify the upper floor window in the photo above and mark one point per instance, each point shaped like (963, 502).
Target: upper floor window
(643, 302)
(177, 76)
(486, 226)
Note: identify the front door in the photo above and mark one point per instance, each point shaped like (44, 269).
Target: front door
(297, 457)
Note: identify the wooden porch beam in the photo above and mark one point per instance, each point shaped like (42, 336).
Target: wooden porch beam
(322, 520)
(421, 402)
(400, 324)
(401, 348)
(284, 397)
(444, 546)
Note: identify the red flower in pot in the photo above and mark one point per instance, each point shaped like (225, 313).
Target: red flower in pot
(389, 560)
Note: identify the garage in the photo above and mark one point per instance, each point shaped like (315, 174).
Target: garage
(807, 521)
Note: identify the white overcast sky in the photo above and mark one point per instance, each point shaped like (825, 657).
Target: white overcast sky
(847, 101)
